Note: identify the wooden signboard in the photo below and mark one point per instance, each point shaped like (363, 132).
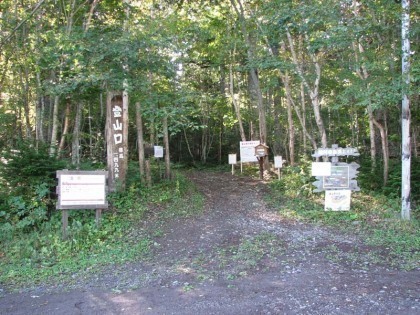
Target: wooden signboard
(339, 178)
(117, 144)
(81, 190)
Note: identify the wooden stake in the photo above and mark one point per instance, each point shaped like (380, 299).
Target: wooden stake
(65, 222)
(98, 217)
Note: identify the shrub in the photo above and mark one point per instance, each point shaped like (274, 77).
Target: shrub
(27, 167)
(27, 185)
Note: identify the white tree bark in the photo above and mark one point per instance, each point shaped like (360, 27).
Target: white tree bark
(313, 91)
(53, 145)
(405, 114)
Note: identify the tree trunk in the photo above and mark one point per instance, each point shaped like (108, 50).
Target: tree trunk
(75, 146)
(53, 143)
(39, 119)
(253, 72)
(236, 105)
(385, 152)
(313, 91)
(166, 143)
(285, 79)
(405, 114)
(65, 128)
(140, 141)
(26, 103)
(303, 106)
(286, 82)
(278, 132)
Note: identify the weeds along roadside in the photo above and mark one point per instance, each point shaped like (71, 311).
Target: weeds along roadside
(373, 216)
(33, 250)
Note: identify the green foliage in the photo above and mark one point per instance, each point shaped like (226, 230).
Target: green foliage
(40, 254)
(28, 166)
(23, 213)
(295, 181)
(393, 187)
(374, 216)
(371, 178)
(27, 182)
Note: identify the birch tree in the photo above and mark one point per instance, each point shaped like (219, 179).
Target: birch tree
(405, 113)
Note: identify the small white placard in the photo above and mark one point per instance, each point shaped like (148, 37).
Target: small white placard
(232, 158)
(337, 200)
(321, 168)
(158, 151)
(278, 162)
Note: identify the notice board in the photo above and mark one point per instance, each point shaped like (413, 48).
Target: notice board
(82, 189)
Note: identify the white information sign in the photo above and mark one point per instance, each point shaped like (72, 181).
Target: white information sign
(321, 168)
(77, 190)
(278, 162)
(247, 151)
(337, 200)
(158, 151)
(232, 158)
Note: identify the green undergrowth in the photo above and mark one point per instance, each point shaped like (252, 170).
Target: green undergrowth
(372, 216)
(36, 255)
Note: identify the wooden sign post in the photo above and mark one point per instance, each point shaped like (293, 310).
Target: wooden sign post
(81, 190)
(337, 179)
(116, 139)
(261, 151)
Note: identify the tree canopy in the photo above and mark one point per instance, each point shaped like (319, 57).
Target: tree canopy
(295, 74)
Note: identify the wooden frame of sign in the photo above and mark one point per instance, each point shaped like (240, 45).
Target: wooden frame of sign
(81, 190)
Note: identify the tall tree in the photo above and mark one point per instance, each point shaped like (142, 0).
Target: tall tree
(405, 113)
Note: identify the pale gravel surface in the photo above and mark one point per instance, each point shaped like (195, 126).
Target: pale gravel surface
(238, 257)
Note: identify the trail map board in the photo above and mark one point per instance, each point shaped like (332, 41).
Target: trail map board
(339, 178)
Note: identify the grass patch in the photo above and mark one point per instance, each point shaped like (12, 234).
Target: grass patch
(41, 256)
(376, 218)
(248, 254)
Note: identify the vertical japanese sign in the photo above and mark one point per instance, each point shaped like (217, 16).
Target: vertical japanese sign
(117, 130)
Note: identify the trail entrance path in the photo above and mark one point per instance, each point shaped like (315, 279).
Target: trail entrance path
(237, 257)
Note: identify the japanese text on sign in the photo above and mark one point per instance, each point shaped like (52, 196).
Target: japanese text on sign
(117, 128)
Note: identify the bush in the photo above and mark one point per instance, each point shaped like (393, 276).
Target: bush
(296, 180)
(28, 166)
(27, 185)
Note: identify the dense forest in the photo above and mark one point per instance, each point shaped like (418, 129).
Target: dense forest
(95, 85)
(296, 75)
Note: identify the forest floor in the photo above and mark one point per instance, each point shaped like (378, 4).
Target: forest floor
(237, 257)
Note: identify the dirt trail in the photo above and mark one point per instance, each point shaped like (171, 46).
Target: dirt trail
(238, 257)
